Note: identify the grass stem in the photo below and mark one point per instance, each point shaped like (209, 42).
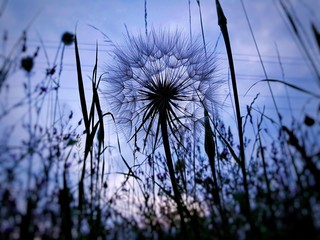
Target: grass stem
(222, 22)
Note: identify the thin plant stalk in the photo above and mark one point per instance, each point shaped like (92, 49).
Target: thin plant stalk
(299, 35)
(145, 17)
(262, 65)
(201, 23)
(222, 22)
(210, 148)
(166, 146)
(30, 150)
(269, 86)
(266, 178)
(210, 151)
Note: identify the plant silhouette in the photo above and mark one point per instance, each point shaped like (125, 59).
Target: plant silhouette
(155, 82)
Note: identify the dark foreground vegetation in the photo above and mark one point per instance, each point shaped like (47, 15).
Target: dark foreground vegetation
(188, 176)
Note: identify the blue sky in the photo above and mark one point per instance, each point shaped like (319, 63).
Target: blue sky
(48, 20)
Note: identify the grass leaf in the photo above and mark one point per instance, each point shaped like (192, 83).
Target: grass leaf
(287, 84)
(81, 87)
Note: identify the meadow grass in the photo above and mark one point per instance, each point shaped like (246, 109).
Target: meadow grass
(208, 184)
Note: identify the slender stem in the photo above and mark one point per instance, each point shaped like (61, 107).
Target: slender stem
(267, 180)
(222, 22)
(145, 17)
(30, 133)
(166, 146)
(262, 64)
(210, 150)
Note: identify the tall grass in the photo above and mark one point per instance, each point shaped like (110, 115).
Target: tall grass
(193, 178)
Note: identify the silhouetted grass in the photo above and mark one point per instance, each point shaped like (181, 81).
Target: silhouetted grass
(261, 182)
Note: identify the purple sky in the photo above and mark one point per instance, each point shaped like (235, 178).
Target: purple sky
(48, 20)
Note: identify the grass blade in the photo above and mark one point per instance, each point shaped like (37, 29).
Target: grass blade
(81, 87)
(222, 22)
(287, 84)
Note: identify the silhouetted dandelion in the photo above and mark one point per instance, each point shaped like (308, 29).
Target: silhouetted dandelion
(159, 76)
(156, 81)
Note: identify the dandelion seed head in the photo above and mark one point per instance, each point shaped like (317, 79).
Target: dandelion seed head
(159, 74)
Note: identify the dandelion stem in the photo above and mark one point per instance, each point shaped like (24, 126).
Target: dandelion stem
(166, 146)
